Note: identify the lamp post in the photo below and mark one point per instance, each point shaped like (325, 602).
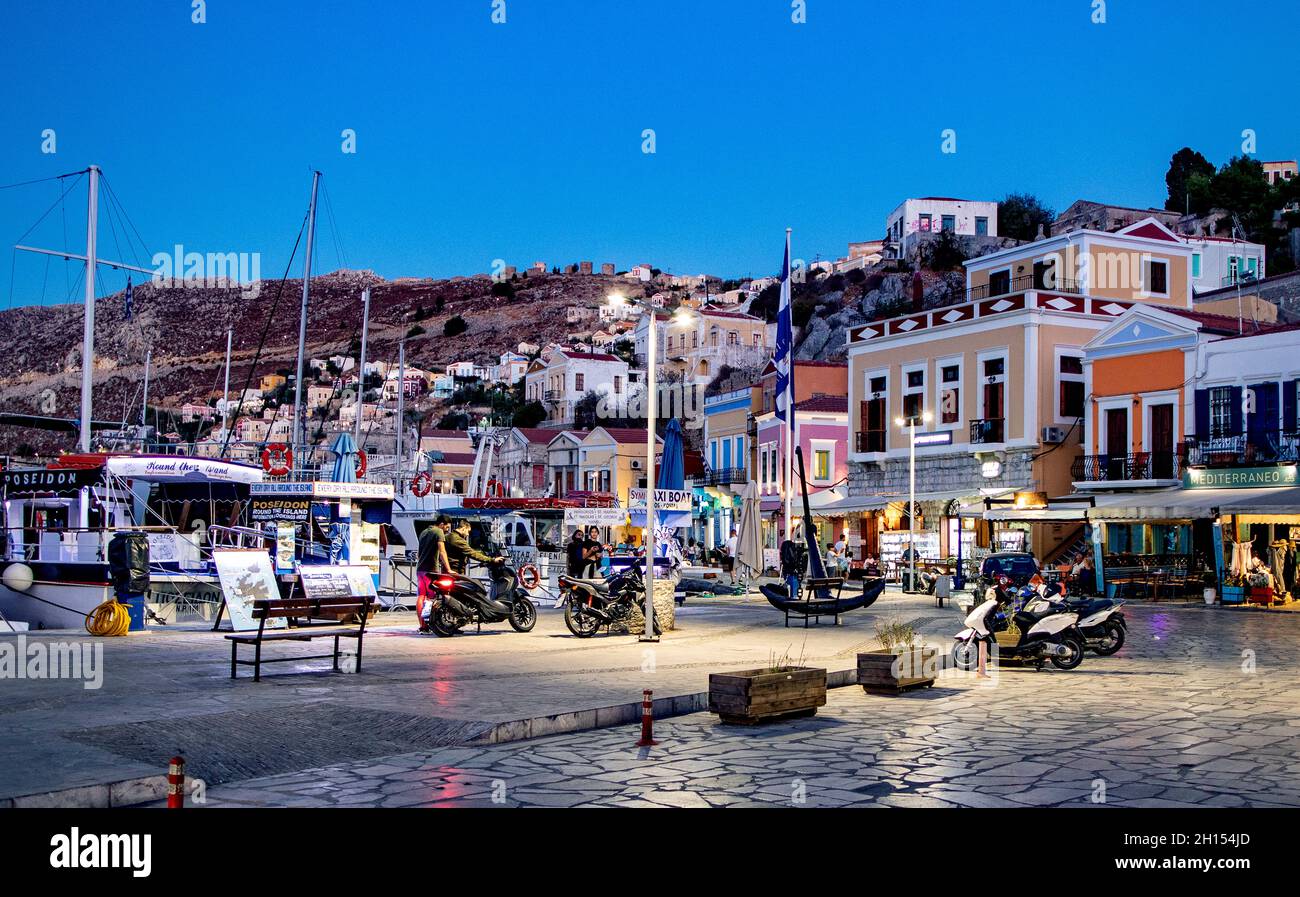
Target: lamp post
(911, 423)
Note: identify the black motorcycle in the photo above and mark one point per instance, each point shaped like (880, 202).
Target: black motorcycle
(455, 601)
(590, 604)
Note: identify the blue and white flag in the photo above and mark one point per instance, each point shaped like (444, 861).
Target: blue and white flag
(783, 355)
(129, 297)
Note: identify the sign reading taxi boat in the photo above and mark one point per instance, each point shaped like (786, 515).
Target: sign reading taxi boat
(665, 499)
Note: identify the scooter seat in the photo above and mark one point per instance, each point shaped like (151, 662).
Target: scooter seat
(600, 586)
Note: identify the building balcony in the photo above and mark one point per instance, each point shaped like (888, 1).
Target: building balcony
(552, 395)
(869, 441)
(989, 431)
(1024, 283)
(722, 476)
(1260, 447)
(1136, 467)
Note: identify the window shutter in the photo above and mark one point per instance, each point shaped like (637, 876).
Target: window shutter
(1288, 406)
(1202, 414)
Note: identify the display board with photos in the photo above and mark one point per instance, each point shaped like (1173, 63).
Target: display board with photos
(323, 581)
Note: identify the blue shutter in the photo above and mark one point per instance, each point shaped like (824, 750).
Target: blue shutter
(1234, 411)
(1288, 406)
(1202, 414)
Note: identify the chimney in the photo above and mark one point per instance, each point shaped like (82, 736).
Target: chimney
(918, 292)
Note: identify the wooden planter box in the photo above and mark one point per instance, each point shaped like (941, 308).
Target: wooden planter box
(1232, 595)
(887, 672)
(751, 696)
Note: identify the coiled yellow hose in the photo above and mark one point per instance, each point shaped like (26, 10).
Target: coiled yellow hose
(110, 618)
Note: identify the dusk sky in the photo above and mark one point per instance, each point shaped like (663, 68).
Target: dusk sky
(523, 141)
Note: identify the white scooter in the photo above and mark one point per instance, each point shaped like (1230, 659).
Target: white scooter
(1047, 632)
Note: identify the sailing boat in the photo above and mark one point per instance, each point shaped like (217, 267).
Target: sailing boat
(58, 520)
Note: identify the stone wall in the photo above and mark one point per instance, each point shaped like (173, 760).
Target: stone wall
(945, 473)
(665, 608)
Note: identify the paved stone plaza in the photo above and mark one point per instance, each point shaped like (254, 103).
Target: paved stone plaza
(1200, 709)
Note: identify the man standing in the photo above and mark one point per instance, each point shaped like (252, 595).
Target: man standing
(576, 554)
(730, 560)
(431, 560)
(459, 551)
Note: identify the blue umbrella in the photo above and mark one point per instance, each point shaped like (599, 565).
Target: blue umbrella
(344, 469)
(672, 464)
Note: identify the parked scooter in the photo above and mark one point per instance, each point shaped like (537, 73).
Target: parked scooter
(1101, 622)
(456, 601)
(1048, 632)
(590, 604)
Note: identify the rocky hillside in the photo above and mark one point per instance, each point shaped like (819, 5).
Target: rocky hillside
(40, 346)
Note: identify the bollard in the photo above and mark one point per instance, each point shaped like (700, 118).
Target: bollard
(176, 783)
(647, 720)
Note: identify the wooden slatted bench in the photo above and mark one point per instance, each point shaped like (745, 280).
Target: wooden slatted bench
(301, 612)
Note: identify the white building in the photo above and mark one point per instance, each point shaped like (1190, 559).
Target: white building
(510, 368)
(560, 383)
(935, 214)
(1221, 262)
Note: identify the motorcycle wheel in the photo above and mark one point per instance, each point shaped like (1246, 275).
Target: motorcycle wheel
(966, 655)
(523, 615)
(1071, 660)
(444, 623)
(1112, 641)
(581, 625)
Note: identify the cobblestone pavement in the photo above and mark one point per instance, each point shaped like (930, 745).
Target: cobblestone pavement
(1200, 709)
(168, 691)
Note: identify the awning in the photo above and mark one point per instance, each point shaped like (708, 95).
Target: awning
(1058, 514)
(1192, 504)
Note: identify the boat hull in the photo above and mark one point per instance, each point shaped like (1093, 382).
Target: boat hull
(60, 596)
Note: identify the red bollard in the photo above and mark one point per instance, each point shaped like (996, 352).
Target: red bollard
(647, 720)
(176, 783)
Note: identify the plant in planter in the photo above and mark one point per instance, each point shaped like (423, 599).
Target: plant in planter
(900, 664)
(783, 688)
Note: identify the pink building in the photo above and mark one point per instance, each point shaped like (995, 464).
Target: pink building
(822, 432)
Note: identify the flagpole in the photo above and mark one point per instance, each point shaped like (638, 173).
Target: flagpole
(789, 396)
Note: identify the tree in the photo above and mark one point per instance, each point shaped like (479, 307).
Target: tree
(455, 326)
(1020, 214)
(503, 289)
(1183, 165)
(946, 253)
(529, 414)
(455, 420)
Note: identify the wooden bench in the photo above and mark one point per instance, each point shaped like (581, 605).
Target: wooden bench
(300, 612)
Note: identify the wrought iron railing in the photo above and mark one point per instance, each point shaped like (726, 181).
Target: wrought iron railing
(986, 431)
(1266, 447)
(1119, 468)
(722, 476)
(871, 440)
(1025, 282)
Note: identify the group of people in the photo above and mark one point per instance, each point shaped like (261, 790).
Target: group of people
(445, 548)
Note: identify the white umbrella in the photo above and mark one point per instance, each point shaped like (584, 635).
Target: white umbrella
(749, 538)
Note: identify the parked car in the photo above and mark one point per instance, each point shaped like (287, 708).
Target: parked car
(1019, 566)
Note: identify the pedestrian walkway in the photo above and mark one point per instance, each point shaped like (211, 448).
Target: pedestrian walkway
(1198, 710)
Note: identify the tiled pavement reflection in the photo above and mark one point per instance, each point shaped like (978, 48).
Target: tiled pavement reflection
(1200, 709)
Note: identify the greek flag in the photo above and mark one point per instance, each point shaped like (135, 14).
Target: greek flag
(783, 355)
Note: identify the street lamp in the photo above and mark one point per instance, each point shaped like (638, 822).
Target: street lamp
(911, 423)
(648, 539)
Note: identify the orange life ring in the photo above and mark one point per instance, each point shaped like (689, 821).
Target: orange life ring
(277, 459)
(529, 576)
(362, 464)
(422, 485)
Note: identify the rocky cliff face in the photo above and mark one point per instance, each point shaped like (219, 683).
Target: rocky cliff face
(40, 346)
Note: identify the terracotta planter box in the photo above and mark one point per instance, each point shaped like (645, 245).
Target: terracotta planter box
(887, 672)
(751, 696)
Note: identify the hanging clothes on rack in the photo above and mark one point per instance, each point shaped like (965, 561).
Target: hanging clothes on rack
(1277, 553)
(1241, 557)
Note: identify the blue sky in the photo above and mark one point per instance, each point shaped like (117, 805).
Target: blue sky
(522, 141)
